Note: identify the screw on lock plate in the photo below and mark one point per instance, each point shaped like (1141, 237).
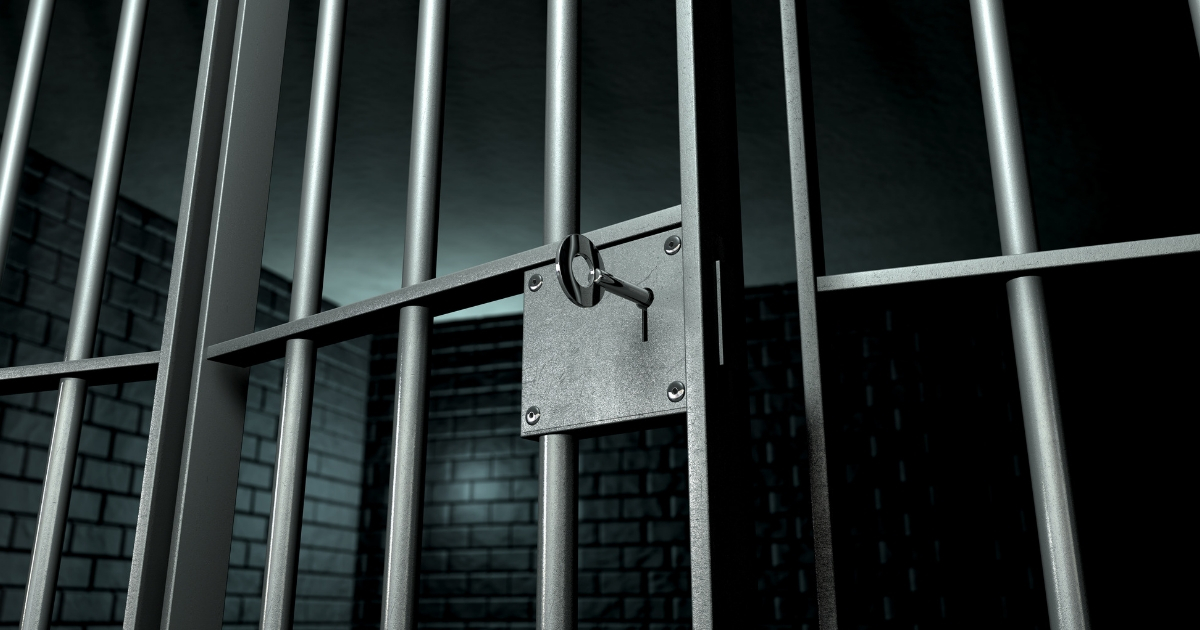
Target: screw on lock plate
(599, 281)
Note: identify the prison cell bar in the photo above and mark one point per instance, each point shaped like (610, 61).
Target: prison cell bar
(85, 313)
(401, 581)
(20, 113)
(558, 476)
(1194, 9)
(718, 445)
(1031, 331)
(198, 562)
(810, 267)
(295, 415)
(177, 357)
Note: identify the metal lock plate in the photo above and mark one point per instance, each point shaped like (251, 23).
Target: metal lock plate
(588, 367)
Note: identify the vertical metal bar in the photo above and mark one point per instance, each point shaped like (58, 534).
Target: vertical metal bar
(203, 526)
(810, 264)
(85, 312)
(558, 487)
(1031, 332)
(151, 545)
(20, 113)
(291, 464)
(718, 430)
(401, 580)
(1194, 5)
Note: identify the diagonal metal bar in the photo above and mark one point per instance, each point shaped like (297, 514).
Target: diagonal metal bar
(477, 285)
(401, 580)
(194, 590)
(160, 481)
(295, 416)
(85, 312)
(44, 377)
(1055, 516)
(558, 476)
(20, 113)
(810, 265)
(1015, 264)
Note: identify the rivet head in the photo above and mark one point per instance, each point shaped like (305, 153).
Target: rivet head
(675, 391)
(672, 245)
(532, 415)
(535, 282)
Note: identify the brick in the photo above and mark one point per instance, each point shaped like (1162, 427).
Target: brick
(313, 535)
(111, 574)
(620, 582)
(615, 533)
(511, 559)
(641, 508)
(27, 427)
(619, 484)
(599, 558)
(94, 441)
(103, 475)
(471, 470)
(449, 492)
(489, 490)
(489, 584)
(468, 560)
(11, 458)
(599, 509)
(14, 568)
(469, 513)
(244, 581)
(665, 582)
(249, 527)
(446, 537)
(129, 448)
(255, 475)
(666, 531)
(509, 608)
(96, 540)
(642, 557)
(490, 536)
(21, 496)
(86, 606)
(599, 608)
(316, 561)
(35, 463)
(85, 506)
(512, 512)
(114, 413)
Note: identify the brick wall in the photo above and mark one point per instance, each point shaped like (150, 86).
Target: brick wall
(35, 300)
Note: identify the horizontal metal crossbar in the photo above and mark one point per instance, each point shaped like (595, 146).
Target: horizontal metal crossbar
(1014, 265)
(44, 377)
(446, 294)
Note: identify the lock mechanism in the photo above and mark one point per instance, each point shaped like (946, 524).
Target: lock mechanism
(588, 363)
(578, 246)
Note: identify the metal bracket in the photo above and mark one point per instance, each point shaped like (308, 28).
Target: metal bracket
(612, 362)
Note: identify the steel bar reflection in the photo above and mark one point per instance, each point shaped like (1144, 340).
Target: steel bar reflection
(401, 580)
(21, 103)
(291, 464)
(558, 480)
(810, 265)
(85, 312)
(1031, 335)
(1194, 6)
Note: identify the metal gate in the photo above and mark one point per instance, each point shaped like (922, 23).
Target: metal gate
(186, 512)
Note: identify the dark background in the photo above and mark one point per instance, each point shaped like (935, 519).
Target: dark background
(1108, 95)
